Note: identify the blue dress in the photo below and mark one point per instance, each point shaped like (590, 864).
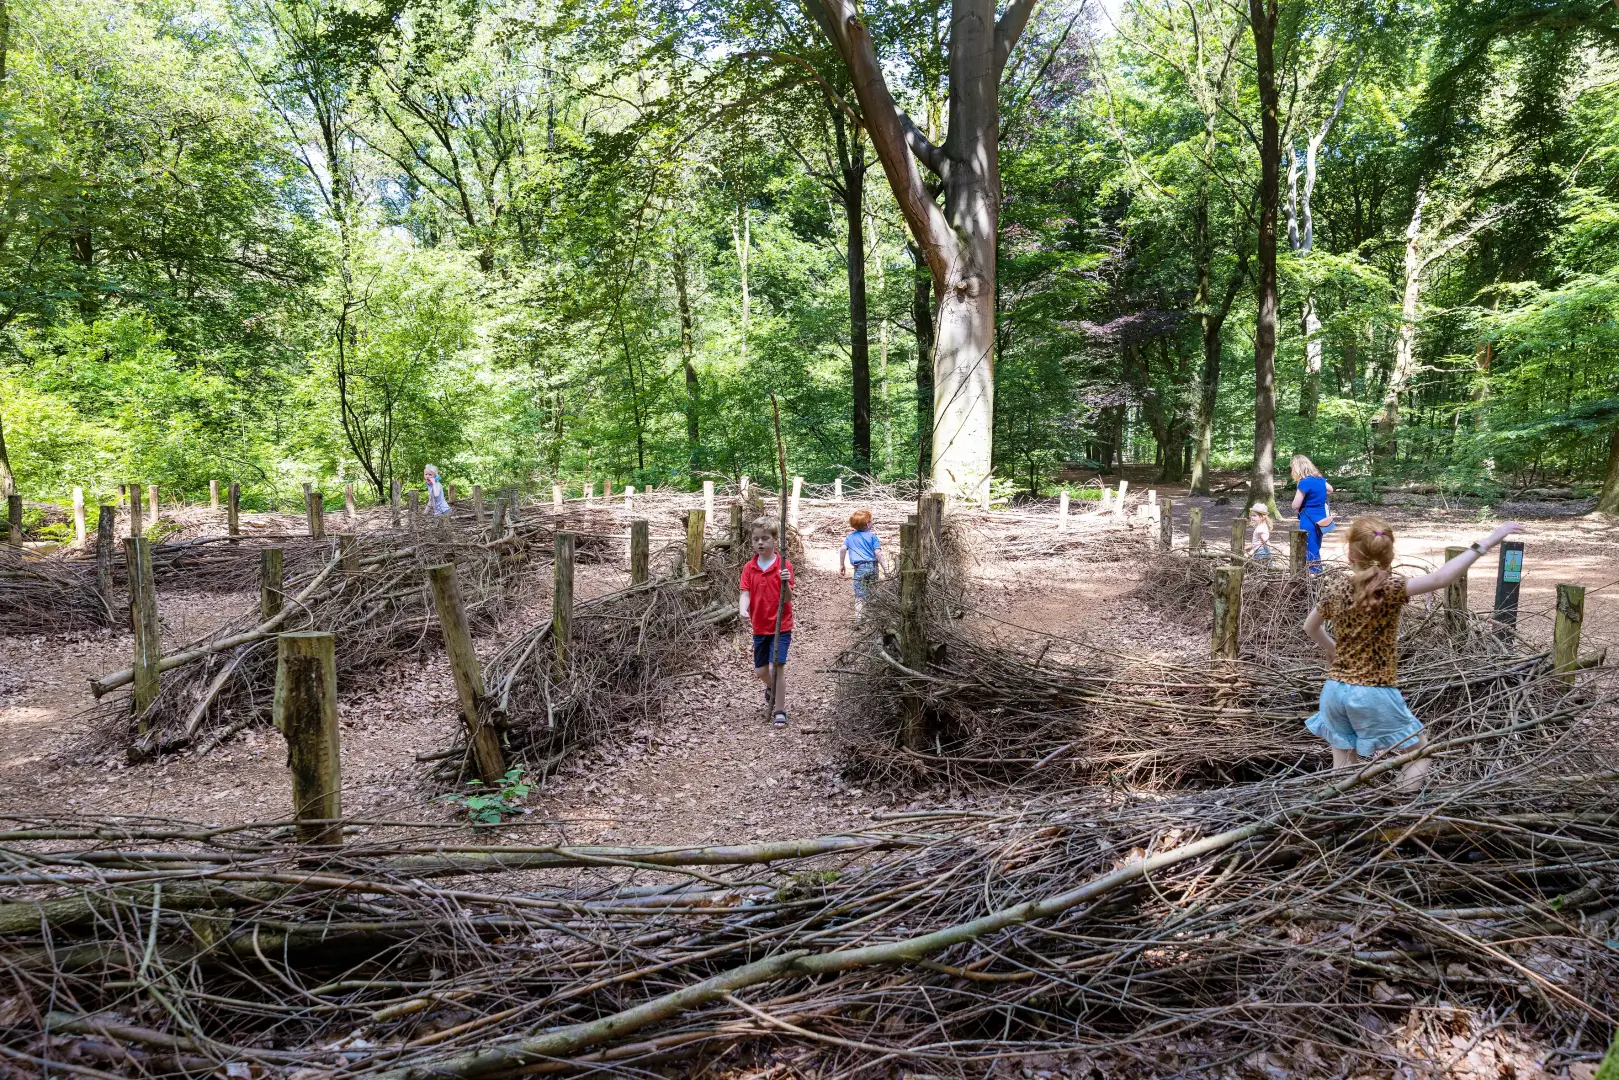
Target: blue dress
(1311, 512)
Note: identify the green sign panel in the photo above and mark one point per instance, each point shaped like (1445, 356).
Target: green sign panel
(1511, 566)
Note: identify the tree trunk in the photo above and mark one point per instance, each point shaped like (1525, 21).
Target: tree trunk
(922, 318)
(854, 184)
(687, 347)
(8, 480)
(1608, 501)
(1310, 392)
(1262, 15)
(742, 239)
(1387, 443)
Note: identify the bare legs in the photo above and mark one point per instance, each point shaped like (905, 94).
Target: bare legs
(777, 685)
(1411, 773)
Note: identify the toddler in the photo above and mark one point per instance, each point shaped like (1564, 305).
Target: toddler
(862, 549)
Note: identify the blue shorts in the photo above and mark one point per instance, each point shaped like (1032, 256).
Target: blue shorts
(864, 574)
(1365, 719)
(761, 648)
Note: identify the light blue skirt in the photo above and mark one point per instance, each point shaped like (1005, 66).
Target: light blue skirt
(1365, 719)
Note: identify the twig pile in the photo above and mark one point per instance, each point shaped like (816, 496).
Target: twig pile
(1329, 927)
(49, 596)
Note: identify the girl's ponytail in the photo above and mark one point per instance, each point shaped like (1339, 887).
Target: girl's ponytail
(1371, 553)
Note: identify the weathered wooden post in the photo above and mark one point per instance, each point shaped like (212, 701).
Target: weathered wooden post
(1227, 612)
(1239, 533)
(696, 524)
(1508, 580)
(307, 489)
(1298, 555)
(78, 517)
(1456, 595)
(305, 711)
(514, 500)
(607, 488)
(739, 532)
(792, 507)
(640, 551)
(213, 496)
(106, 524)
(913, 647)
(1118, 507)
(272, 592)
(413, 509)
(1194, 529)
(348, 558)
(497, 520)
(151, 501)
(910, 544)
(14, 520)
(1106, 502)
(350, 510)
(484, 741)
(933, 528)
(1166, 525)
(393, 503)
(1566, 631)
(837, 488)
(708, 502)
(477, 503)
(233, 510)
(562, 600)
(590, 493)
(1062, 511)
(314, 514)
(742, 489)
(556, 496)
(135, 525)
(984, 496)
(143, 622)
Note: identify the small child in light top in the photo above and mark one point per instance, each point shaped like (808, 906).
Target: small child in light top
(1362, 712)
(863, 550)
(1259, 546)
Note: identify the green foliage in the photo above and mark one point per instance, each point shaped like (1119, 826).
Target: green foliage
(485, 805)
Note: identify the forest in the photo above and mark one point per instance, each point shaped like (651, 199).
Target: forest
(328, 241)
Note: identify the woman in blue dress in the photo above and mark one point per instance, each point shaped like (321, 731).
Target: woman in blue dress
(1310, 503)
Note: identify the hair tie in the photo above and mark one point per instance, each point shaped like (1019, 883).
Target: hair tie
(1377, 532)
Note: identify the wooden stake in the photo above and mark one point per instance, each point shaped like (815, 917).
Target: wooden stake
(1298, 555)
(413, 509)
(393, 503)
(213, 496)
(143, 622)
(910, 544)
(607, 488)
(484, 741)
(696, 524)
(514, 500)
(477, 503)
(1566, 631)
(305, 711)
(1166, 525)
(106, 523)
(314, 514)
(837, 488)
(135, 528)
(151, 501)
(350, 510)
(739, 532)
(913, 647)
(1456, 595)
(14, 520)
(1118, 508)
(1508, 580)
(1227, 612)
(1239, 532)
(1062, 511)
(590, 493)
(78, 517)
(742, 489)
(1107, 500)
(629, 498)
(272, 585)
(556, 496)
(792, 507)
(348, 557)
(497, 522)
(562, 600)
(708, 502)
(640, 551)
(1194, 529)
(233, 510)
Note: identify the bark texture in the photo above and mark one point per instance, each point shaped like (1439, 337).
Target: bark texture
(1262, 14)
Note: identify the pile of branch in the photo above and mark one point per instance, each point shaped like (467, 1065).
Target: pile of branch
(216, 564)
(216, 686)
(49, 596)
(1321, 924)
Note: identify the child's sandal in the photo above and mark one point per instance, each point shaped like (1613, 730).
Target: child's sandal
(780, 718)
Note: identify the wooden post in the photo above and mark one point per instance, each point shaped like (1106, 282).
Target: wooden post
(1118, 508)
(837, 488)
(1298, 555)
(913, 647)
(477, 503)
(272, 584)
(1566, 631)
(233, 509)
(1239, 533)
(562, 600)
(640, 551)
(696, 524)
(933, 528)
(348, 557)
(910, 544)
(1194, 529)
(313, 512)
(739, 532)
(556, 496)
(1166, 525)
(135, 527)
(413, 509)
(350, 510)
(1227, 612)
(307, 489)
(983, 496)
(607, 488)
(78, 517)
(393, 503)
(708, 502)
(482, 738)
(513, 501)
(742, 489)
(497, 522)
(590, 493)
(1456, 595)
(151, 501)
(1062, 511)
(1508, 580)
(792, 507)
(305, 711)
(213, 496)
(14, 520)
(1107, 500)
(144, 622)
(106, 523)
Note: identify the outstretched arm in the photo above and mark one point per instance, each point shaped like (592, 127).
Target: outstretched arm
(1315, 629)
(1455, 568)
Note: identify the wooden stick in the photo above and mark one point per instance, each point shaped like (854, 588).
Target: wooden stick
(487, 757)
(781, 596)
(305, 711)
(78, 517)
(1566, 631)
(144, 622)
(640, 551)
(562, 599)
(272, 594)
(910, 544)
(629, 498)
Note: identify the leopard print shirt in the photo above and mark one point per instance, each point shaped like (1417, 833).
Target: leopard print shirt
(1366, 651)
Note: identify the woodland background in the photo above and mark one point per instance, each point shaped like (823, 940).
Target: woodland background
(290, 241)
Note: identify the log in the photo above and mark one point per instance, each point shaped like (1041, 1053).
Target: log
(792, 507)
(1118, 507)
(556, 496)
(305, 711)
(482, 738)
(413, 503)
(1239, 533)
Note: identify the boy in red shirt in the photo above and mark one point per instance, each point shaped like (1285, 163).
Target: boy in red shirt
(764, 578)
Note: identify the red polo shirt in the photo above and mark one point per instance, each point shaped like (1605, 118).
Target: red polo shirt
(763, 587)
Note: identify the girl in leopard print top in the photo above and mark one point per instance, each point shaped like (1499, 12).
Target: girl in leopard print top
(1362, 712)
